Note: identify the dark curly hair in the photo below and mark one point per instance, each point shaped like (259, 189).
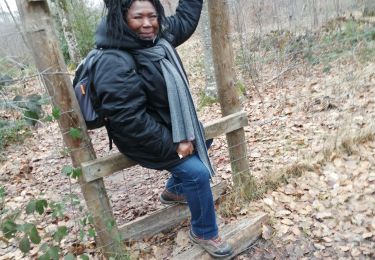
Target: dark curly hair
(118, 9)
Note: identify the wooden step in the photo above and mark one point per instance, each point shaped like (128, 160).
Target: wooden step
(241, 235)
(161, 220)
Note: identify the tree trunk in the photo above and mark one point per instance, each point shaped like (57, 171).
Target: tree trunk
(228, 95)
(210, 88)
(63, 11)
(168, 7)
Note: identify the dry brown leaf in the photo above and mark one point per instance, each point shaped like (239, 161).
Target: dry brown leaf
(269, 202)
(282, 213)
(367, 235)
(267, 232)
(323, 215)
(319, 246)
(355, 252)
(287, 222)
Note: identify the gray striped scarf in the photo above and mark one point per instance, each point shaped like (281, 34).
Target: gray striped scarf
(185, 124)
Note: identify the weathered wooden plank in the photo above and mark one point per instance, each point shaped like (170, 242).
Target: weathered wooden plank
(107, 165)
(37, 22)
(161, 220)
(240, 235)
(226, 124)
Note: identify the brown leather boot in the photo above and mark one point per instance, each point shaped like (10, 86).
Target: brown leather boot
(167, 197)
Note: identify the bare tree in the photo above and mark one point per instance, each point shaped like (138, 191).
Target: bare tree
(210, 88)
(63, 12)
(169, 6)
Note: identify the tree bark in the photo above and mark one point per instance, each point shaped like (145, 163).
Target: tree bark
(210, 89)
(228, 95)
(63, 11)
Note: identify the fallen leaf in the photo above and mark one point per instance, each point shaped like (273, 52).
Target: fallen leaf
(267, 232)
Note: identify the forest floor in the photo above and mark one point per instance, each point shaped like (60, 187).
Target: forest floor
(311, 138)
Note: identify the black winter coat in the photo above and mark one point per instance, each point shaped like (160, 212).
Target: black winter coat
(135, 101)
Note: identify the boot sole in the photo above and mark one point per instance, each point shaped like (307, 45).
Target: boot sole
(193, 239)
(171, 202)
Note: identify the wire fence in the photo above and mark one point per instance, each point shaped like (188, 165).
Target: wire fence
(305, 75)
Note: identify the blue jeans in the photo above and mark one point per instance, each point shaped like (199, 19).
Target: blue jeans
(192, 179)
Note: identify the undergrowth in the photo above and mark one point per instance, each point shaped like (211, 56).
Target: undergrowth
(12, 132)
(338, 40)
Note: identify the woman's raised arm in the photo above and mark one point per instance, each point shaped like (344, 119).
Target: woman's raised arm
(183, 24)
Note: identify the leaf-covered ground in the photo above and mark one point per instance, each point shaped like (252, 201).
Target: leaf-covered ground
(310, 138)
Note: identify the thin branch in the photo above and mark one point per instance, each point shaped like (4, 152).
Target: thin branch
(12, 81)
(17, 24)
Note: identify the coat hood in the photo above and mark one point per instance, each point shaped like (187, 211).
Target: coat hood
(128, 40)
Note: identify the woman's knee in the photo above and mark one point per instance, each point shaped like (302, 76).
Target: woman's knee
(201, 175)
(192, 170)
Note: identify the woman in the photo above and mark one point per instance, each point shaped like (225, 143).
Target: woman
(151, 115)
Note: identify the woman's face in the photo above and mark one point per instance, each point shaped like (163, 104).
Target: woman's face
(143, 19)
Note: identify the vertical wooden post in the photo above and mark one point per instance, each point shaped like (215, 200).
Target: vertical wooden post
(38, 26)
(227, 93)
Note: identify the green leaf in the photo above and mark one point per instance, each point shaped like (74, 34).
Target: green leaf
(69, 256)
(56, 113)
(67, 170)
(34, 235)
(75, 133)
(25, 228)
(110, 223)
(40, 205)
(77, 173)
(91, 232)
(30, 208)
(84, 257)
(48, 118)
(45, 256)
(61, 232)
(9, 228)
(44, 247)
(25, 244)
(53, 253)
(90, 219)
(57, 209)
(31, 117)
(2, 193)
(34, 98)
(74, 199)
(81, 234)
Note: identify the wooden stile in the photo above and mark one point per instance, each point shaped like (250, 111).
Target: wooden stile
(39, 29)
(106, 166)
